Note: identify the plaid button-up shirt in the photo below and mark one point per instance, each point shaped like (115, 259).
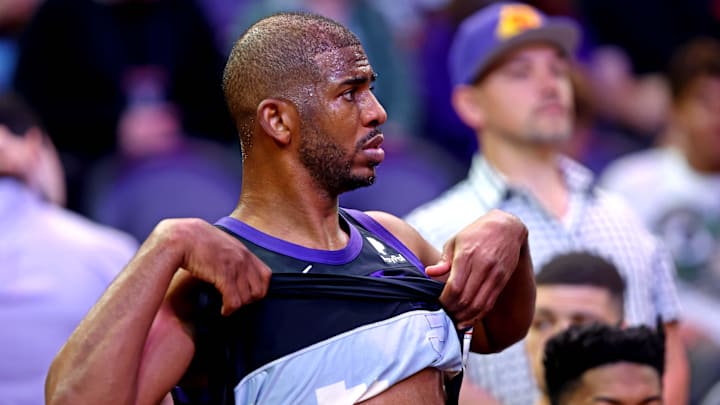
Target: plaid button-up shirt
(596, 221)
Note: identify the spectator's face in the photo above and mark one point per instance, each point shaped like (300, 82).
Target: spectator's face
(340, 139)
(617, 384)
(527, 97)
(697, 114)
(559, 306)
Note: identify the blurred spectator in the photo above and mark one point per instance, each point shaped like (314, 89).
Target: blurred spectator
(603, 364)
(675, 188)
(510, 66)
(575, 288)
(159, 172)
(221, 15)
(396, 75)
(79, 66)
(55, 263)
(625, 61)
(680, 180)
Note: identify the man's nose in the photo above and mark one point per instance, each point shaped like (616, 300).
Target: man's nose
(549, 83)
(561, 325)
(374, 114)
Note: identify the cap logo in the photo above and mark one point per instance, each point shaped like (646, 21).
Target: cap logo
(515, 19)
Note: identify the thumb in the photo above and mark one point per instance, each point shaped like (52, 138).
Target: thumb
(442, 267)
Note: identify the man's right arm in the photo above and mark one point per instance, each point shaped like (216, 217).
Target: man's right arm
(135, 344)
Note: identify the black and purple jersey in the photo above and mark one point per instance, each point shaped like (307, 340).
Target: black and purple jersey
(336, 326)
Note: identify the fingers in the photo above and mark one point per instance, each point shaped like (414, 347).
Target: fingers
(468, 293)
(213, 256)
(244, 284)
(442, 267)
(485, 255)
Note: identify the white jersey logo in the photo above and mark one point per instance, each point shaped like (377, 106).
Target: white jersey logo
(387, 257)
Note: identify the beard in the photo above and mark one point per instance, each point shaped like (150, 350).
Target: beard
(545, 130)
(329, 165)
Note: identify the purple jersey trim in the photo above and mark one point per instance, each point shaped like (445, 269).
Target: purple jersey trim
(375, 227)
(332, 257)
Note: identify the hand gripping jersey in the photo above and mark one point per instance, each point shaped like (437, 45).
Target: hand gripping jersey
(337, 327)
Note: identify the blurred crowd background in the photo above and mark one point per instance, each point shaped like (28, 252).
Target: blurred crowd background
(130, 89)
(129, 92)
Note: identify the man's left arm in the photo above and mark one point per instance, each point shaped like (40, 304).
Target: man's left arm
(676, 380)
(490, 283)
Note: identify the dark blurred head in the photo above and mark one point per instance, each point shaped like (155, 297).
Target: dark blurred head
(698, 58)
(583, 269)
(576, 288)
(694, 76)
(605, 364)
(20, 139)
(16, 115)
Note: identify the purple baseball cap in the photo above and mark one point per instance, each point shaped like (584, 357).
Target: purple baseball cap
(492, 30)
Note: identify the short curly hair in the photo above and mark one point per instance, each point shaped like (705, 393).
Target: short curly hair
(275, 58)
(571, 353)
(581, 268)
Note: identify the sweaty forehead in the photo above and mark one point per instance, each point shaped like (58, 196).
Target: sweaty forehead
(340, 63)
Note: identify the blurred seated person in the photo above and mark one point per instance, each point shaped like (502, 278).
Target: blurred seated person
(680, 180)
(601, 364)
(79, 62)
(160, 172)
(55, 263)
(680, 198)
(576, 288)
(573, 288)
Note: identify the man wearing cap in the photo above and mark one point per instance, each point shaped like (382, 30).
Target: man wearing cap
(510, 68)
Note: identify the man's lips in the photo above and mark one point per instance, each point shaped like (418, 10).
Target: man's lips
(553, 108)
(371, 149)
(374, 142)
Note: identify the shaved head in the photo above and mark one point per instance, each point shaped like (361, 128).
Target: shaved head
(275, 58)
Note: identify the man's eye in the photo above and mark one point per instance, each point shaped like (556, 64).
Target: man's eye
(542, 324)
(349, 95)
(560, 69)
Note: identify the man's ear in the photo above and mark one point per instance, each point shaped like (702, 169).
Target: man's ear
(466, 104)
(278, 118)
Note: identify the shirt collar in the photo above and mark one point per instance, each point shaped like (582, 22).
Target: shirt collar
(492, 187)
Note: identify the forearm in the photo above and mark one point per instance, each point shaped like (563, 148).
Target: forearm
(100, 362)
(676, 380)
(509, 319)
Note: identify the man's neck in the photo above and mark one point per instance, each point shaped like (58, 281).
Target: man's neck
(534, 169)
(293, 214)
